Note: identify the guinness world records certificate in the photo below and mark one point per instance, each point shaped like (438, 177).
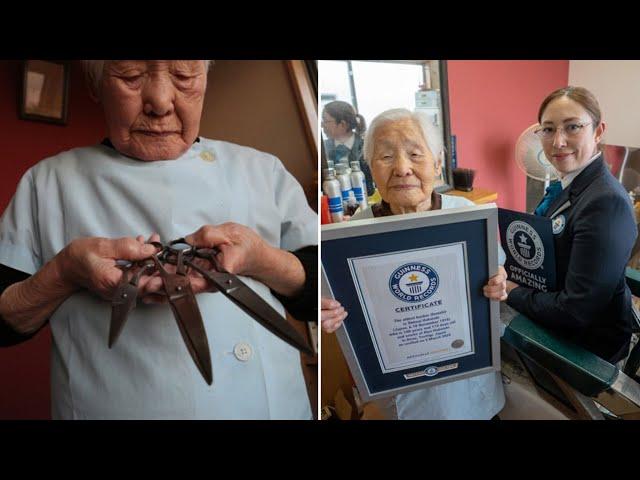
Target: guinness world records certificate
(425, 324)
(412, 285)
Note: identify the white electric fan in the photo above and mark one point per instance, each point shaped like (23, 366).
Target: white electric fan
(531, 158)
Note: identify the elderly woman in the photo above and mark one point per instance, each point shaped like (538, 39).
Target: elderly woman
(404, 152)
(73, 214)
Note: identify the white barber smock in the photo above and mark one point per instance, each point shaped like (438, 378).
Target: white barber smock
(149, 374)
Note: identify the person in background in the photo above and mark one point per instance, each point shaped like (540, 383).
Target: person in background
(344, 129)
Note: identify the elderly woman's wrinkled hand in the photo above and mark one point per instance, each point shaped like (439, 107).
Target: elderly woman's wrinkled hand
(332, 314)
(151, 288)
(241, 250)
(496, 287)
(91, 262)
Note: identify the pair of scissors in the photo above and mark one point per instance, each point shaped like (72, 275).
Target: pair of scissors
(126, 295)
(248, 301)
(184, 306)
(177, 288)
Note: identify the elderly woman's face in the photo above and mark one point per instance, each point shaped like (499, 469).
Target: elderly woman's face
(402, 165)
(153, 107)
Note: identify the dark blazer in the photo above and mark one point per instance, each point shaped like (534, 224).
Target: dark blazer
(356, 154)
(592, 306)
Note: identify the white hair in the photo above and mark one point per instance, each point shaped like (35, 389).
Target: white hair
(93, 71)
(431, 134)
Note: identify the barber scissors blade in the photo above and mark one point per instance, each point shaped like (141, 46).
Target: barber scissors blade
(185, 310)
(250, 302)
(125, 297)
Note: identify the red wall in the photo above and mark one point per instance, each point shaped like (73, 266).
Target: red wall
(492, 102)
(24, 369)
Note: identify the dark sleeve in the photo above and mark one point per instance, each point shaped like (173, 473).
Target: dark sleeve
(602, 238)
(305, 305)
(8, 336)
(371, 188)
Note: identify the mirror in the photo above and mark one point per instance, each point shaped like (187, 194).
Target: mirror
(373, 86)
(624, 163)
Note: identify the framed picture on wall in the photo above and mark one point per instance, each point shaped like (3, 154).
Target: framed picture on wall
(44, 95)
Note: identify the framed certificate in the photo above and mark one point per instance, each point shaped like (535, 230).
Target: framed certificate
(412, 285)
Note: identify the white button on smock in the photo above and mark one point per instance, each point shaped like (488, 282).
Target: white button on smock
(243, 351)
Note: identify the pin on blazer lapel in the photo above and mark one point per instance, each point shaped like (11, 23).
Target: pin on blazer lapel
(561, 209)
(582, 181)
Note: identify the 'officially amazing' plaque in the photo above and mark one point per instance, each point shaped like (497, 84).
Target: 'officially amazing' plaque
(528, 242)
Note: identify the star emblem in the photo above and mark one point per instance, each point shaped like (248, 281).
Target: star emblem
(523, 239)
(413, 277)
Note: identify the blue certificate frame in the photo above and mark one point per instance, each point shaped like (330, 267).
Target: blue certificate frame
(388, 352)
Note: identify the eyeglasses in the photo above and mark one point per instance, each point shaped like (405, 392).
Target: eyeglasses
(324, 122)
(571, 130)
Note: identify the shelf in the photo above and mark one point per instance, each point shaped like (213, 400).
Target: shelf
(477, 195)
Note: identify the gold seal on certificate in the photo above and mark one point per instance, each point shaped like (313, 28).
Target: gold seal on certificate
(412, 305)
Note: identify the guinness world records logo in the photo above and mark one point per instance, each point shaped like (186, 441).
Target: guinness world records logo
(414, 282)
(431, 371)
(525, 245)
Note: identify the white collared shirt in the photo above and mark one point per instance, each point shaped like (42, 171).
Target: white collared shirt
(568, 178)
(347, 143)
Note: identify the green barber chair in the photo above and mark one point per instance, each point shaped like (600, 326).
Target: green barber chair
(632, 365)
(579, 381)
